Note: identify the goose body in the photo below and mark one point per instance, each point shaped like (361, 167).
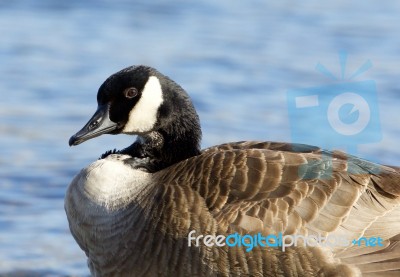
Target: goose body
(134, 211)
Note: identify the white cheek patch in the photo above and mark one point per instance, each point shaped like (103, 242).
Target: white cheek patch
(143, 116)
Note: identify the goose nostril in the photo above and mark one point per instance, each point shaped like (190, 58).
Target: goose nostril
(93, 124)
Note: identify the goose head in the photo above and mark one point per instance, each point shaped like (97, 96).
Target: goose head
(141, 101)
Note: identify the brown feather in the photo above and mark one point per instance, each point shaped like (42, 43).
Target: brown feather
(244, 187)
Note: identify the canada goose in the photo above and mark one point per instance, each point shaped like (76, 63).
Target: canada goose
(134, 212)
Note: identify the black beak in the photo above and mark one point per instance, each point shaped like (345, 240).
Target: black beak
(99, 124)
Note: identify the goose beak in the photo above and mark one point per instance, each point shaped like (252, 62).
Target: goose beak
(99, 124)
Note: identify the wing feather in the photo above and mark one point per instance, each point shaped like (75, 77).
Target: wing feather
(298, 189)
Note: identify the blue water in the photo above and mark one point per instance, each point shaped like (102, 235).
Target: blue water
(237, 61)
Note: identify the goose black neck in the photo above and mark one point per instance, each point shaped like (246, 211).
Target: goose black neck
(160, 149)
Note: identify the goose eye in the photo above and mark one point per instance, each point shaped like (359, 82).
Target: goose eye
(130, 93)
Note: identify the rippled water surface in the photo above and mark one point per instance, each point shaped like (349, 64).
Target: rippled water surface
(237, 61)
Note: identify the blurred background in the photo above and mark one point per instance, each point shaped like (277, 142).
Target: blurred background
(236, 60)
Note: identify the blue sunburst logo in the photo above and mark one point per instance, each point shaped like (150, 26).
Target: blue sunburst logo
(340, 115)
